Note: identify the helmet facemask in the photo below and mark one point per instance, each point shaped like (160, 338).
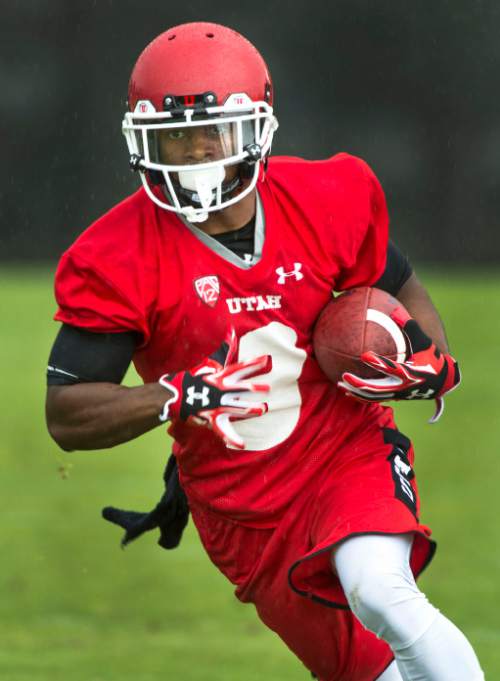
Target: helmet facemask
(196, 154)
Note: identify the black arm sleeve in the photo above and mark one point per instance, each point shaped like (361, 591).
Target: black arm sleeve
(80, 356)
(397, 270)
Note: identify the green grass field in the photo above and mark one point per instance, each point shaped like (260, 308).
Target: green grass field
(75, 607)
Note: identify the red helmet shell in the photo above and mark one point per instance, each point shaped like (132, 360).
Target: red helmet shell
(195, 58)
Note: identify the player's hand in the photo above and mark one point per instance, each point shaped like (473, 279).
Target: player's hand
(426, 374)
(218, 391)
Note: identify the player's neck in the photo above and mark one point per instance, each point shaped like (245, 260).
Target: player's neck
(230, 218)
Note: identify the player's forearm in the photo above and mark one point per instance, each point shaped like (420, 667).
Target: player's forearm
(420, 306)
(100, 415)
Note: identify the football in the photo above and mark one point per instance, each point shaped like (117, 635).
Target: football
(355, 322)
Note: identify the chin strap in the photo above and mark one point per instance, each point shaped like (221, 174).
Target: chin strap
(191, 212)
(191, 196)
(192, 215)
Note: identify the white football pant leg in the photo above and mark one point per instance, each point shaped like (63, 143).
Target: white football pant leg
(377, 580)
(390, 674)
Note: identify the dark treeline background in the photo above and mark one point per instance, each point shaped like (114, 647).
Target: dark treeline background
(412, 87)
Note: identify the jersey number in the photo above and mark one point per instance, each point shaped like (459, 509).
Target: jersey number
(283, 399)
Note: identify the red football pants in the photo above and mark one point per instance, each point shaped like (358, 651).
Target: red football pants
(368, 487)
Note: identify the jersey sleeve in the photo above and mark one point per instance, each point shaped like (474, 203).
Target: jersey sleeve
(87, 298)
(367, 252)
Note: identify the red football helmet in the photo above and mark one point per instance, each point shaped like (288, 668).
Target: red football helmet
(200, 118)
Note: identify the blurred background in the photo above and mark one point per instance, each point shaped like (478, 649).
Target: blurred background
(412, 87)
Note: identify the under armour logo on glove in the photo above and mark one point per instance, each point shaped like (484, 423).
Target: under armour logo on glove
(217, 391)
(426, 374)
(420, 394)
(203, 396)
(282, 275)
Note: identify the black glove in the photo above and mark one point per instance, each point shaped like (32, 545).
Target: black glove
(170, 514)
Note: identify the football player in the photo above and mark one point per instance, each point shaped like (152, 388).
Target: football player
(210, 278)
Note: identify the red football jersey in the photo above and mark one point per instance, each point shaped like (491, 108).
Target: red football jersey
(141, 268)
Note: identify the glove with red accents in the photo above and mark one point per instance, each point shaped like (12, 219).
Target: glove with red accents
(426, 374)
(218, 391)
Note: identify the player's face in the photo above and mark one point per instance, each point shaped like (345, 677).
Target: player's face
(184, 146)
(197, 144)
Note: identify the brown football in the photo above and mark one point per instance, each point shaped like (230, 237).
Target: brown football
(352, 323)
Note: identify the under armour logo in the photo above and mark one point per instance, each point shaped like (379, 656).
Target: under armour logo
(192, 395)
(403, 473)
(418, 395)
(282, 275)
(404, 468)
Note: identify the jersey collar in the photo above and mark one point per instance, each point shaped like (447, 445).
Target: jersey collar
(226, 253)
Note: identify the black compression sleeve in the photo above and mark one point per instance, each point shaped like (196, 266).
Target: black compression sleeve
(397, 270)
(80, 356)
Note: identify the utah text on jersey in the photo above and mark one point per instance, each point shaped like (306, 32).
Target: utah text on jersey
(253, 303)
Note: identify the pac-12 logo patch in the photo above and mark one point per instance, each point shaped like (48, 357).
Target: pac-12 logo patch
(208, 289)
